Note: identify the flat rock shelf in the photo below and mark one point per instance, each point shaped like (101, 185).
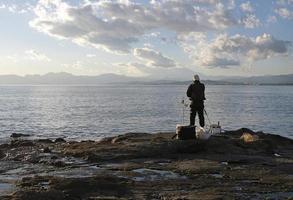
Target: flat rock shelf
(149, 166)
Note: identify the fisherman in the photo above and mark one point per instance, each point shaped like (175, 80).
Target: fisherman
(196, 94)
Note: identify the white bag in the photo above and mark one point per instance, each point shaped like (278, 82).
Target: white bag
(201, 134)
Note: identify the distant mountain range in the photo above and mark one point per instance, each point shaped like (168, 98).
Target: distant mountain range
(69, 79)
(264, 80)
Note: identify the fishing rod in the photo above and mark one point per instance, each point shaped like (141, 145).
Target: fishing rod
(183, 108)
(207, 116)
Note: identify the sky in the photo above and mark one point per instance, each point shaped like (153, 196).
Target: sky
(146, 38)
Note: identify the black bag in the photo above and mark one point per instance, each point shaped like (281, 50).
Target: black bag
(185, 132)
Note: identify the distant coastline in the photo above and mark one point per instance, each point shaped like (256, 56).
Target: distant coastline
(63, 78)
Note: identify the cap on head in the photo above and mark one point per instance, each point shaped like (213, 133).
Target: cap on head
(195, 77)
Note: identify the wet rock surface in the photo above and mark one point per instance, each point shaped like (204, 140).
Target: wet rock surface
(238, 164)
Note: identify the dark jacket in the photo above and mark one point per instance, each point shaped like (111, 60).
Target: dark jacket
(196, 92)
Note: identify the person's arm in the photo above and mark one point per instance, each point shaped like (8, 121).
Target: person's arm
(204, 95)
(189, 91)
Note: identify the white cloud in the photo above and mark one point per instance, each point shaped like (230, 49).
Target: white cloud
(251, 21)
(36, 56)
(131, 69)
(116, 25)
(142, 70)
(284, 2)
(153, 34)
(22, 8)
(91, 55)
(77, 65)
(284, 13)
(86, 66)
(13, 58)
(231, 4)
(28, 55)
(148, 45)
(272, 19)
(154, 58)
(246, 7)
(225, 51)
(81, 25)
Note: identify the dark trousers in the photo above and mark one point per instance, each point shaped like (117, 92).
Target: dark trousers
(199, 110)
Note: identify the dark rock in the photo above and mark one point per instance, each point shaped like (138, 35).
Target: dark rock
(61, 140)
(54, 157)
(21, 143)
(39, 195)
(47, 150)
(92, 141)
(59, 163)
(48, 141)
(191, 146)
(4, 146)
(32, 158)
(2, 154)
(99, 185)
(129, 137)
(18, 135)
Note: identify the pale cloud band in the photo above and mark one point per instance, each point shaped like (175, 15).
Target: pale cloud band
(36, 56)
(118, 26)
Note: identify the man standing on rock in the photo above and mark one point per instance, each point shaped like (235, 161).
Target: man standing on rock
(196, 93)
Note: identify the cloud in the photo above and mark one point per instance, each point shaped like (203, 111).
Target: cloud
(91, 55)
(153, 34)
(284, 13)
(77, 65)
(148, 45)
(116, 25)
(22, 8)
(226, 51)
(246, 7)
(36, 56)
(83, 26)
(131, 69)
(192, 15)
(251, 21)
(15, 58)
(87, 66)
(284, 2)
(154, 58)
(142, 70)
(28, 55)
(272, 19)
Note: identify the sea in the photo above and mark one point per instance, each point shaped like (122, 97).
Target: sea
(95, 112)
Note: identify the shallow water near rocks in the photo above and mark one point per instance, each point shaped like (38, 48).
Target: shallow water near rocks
(144, 174)
(6, 188)
(274, 195)
(13, 171)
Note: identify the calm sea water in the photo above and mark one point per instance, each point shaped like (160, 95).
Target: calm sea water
(92, 112)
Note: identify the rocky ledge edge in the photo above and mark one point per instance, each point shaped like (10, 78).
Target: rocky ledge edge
(239, 164)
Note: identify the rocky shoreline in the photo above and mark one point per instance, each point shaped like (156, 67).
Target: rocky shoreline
(148, 166)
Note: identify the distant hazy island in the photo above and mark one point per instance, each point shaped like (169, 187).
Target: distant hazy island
(63, 78)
